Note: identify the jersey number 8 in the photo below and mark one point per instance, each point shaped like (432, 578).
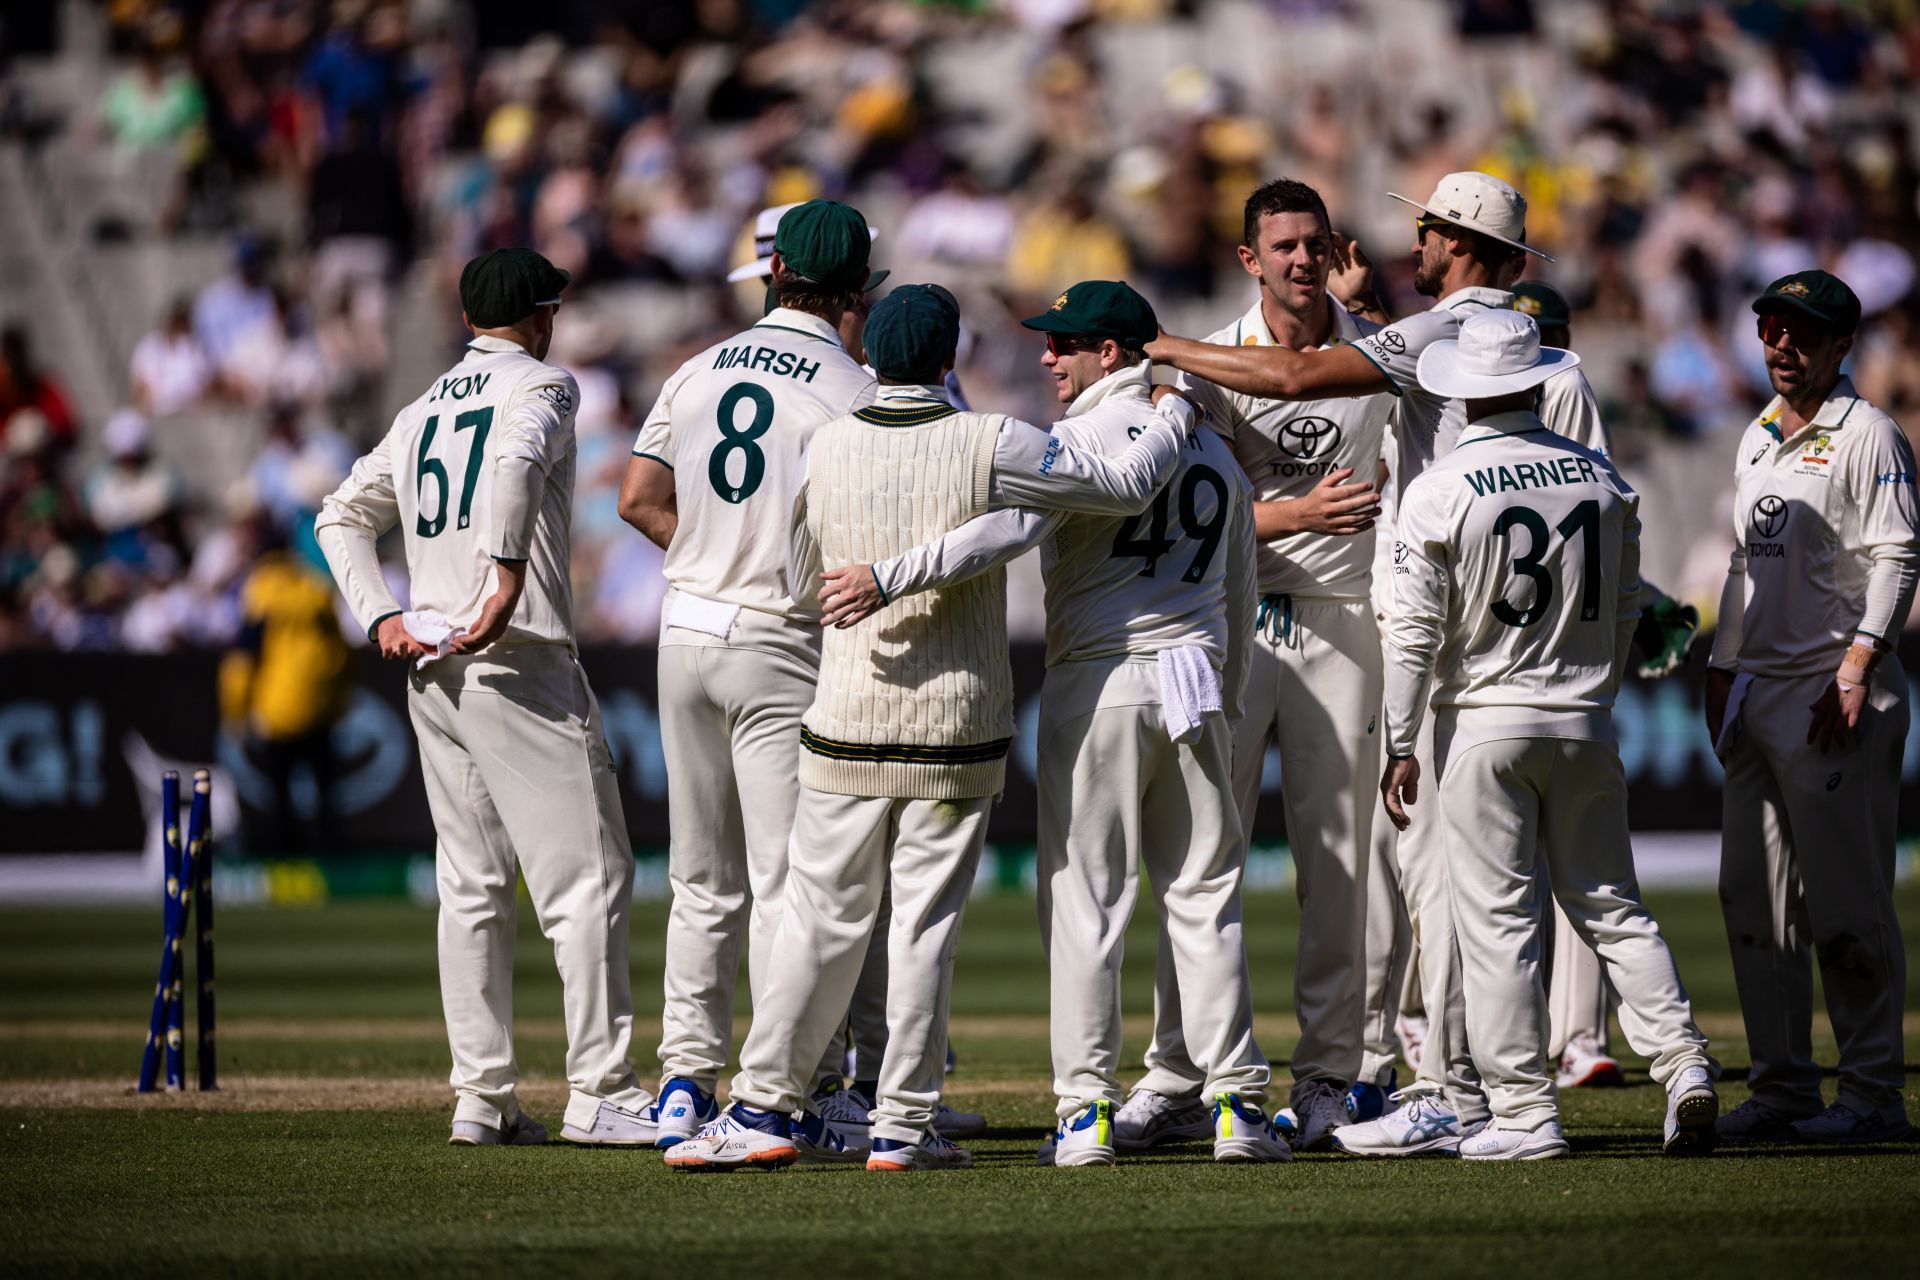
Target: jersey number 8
(733, 439)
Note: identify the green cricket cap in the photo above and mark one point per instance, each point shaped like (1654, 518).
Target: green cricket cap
(1100, 309)
(826, 242)
(1544, 303)
(505, 286)
(1819, 294)
(912, 333)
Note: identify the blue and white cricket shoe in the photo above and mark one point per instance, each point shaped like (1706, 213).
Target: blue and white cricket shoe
(1367, 1101)
(951, 1124)
(739, 1138)
(683, 1107)
(1422, 1124)
(932, 1152)
(1084, 1138)
(1242, 1134)
(1692, 1109)
(1147, 1119)
(1319, 1107)
(836, 1128)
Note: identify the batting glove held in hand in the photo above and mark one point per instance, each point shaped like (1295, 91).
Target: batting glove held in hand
(1664, 637)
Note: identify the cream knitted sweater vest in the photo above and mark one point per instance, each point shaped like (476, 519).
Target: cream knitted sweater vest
(916, 702)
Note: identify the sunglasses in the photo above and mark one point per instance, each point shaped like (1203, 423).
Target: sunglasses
(1802, 331)
(1062, 345)
(1426, 222)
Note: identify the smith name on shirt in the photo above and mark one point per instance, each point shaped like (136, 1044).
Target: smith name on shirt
(1532, 475)
(784, 364)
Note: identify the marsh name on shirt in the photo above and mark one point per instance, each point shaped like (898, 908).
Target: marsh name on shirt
(1532, 475)
(782, 364)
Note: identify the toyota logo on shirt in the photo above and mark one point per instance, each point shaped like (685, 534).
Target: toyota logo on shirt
(1307, 438)
(1769, 516)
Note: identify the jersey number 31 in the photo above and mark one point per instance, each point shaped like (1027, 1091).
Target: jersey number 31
(1584, 520)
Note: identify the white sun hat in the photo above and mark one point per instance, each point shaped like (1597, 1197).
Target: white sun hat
(765, 226)
(1496, 354)
(1479, 202)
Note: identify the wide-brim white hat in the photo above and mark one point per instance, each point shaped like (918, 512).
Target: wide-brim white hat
(1479, 202)
(1497, 353)
(765, 226)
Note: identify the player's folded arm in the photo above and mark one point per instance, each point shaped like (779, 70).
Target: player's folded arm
(1033, 468)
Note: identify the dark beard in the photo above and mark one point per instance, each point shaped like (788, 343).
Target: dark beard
(1428, 281)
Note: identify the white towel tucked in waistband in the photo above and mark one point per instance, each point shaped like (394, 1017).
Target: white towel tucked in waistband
(432, 629)
(1189, 689)
(708, 617)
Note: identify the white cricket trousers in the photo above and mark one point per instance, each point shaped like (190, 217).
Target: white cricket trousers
(1115, 789)
(1807, 861)
(1577, 998)
(1390, 974)
(848, 851)
(1508, 802)
(518, 772)
(1421, 869)
(1314, 688)
(730, 729)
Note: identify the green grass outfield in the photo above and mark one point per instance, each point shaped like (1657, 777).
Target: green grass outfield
(325, 1150)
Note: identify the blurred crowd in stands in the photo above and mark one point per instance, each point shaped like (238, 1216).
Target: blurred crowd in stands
(1676, 156)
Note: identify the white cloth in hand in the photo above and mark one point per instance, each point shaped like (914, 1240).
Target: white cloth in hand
(432, 629)
(1189, 690)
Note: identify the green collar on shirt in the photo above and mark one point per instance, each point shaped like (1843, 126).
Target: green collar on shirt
(1832, 416)
(493, 346)
(1519, 422)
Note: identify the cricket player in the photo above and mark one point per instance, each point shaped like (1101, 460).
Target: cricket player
(1127, 773)
(905, 744)
(711, 481)
(1469, 246)
(1314, 680)
(478, 474)
(1808, 706)
(1514, 608)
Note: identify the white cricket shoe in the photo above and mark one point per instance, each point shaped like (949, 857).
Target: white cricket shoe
(522, 1131)
(1319, 1107)
(682, 1109)
(1544, 1142)
(1853, 1120)
(1086, 1138)
(1242, 1134)
(615, 1126)
(739, 1138)
(836, 1128)
(1421, 1125)
(1412, 1030)
(1584, 1064)
(931, 1152)
(1147, 1119)
(1692, 1109)
(952, 1124)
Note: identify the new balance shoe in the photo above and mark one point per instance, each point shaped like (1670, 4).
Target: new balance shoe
(522, 1131)
(1368, 1101)
(951, 1124)
(1412, 1030)
(1757, 1121)
(1147, 1119)
(681, 1111)
(1086, 1138)
(615, 1126)
(836, 1128)
(1545, 1142)
(1853, 1120)
(1242, 1134)
(932, 1152)
(1319, 1107)
(1421, 1124)
(1584, 1064)
(1692, 1108)
(739, 1138)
